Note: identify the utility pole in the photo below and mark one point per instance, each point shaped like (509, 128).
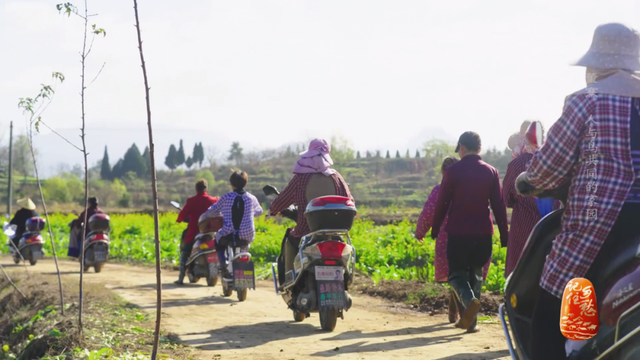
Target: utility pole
(10, 182)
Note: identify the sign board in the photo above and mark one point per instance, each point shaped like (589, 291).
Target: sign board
(244, 275)
(330, 287)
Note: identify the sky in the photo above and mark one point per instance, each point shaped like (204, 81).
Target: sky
(385, 75)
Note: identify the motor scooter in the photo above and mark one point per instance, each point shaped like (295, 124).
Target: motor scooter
(96, 244)
(617, 289)
(324, 266)
(31, 244)
(203, 261)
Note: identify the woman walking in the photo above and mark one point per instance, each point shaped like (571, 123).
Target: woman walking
(527, 211)
(440, 262)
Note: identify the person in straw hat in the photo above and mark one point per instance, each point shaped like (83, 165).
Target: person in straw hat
(594, 147)
(26, 212)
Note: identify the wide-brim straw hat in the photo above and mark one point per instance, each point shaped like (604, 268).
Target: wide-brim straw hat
(26, 204)
(614, 46)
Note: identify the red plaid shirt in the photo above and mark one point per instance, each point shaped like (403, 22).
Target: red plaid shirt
(590, 146)
(295, 193)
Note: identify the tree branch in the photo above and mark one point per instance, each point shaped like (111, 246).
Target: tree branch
(98, 74)
(11, 282)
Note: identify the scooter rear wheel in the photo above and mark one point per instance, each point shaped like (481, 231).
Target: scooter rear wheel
(16, 260)
(33, 261)
(328, 319)
(242, 294)
(98, 267)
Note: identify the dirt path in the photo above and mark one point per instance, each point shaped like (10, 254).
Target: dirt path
(263, 328)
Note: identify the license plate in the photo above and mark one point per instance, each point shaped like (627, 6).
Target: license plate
(325, 273)
(100, 256)
(37, 254)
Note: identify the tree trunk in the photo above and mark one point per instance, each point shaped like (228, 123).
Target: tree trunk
(154, 189)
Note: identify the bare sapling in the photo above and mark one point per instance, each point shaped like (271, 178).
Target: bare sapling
(69, 9)
(33, 109)
(11, 282)
(154, 189)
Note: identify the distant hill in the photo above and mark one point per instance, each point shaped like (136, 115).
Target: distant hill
(375, 181)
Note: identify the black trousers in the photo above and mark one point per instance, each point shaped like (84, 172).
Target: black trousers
(465, 253)
(547, 340)
(185, 252)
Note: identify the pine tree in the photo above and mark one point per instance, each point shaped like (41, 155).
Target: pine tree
(388, 155)
(417, 154)
(194, 155)
(189, 162)
(116, 172)
(180, 158)
(170, 160)
(358, 155)
(378, 153)
(105, 170)
(235, 154)
(397, 154)
(146, 155)
(200, 154)
(368, 154)
(407, 154)
(134, 162)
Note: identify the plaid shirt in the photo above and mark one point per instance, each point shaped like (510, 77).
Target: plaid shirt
(590, 146)
(252, 209)
(295, 193)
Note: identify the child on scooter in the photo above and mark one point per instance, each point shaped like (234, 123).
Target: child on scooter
(238, 208)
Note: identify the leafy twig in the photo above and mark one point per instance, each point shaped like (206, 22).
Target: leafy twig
(34, 119)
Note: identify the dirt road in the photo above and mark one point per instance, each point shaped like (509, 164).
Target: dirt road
(262, 327)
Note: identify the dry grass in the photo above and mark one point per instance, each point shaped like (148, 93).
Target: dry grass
(35, 329)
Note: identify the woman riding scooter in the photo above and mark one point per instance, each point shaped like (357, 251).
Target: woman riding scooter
(26, 212)
(76, 237)
(313, 177)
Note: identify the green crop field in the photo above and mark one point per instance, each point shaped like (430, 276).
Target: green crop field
(384, 251)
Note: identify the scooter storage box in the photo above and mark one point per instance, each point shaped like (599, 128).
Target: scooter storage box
(330, 212)
(35, 224)
(99, 222)
(209, 225)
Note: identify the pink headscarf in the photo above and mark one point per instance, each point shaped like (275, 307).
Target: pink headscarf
(316, 160)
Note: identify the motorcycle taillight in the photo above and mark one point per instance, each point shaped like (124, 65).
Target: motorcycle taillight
(324, 200)
(331, 249)
(34, 239)
(97, 237)
(244, 259)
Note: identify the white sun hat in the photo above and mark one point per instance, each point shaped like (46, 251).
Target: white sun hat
(614, 46)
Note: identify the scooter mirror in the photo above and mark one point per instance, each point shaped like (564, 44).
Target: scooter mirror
(10, 230)
(176, 205)
(270, 190)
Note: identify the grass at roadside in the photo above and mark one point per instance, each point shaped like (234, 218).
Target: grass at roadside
(34, 328)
